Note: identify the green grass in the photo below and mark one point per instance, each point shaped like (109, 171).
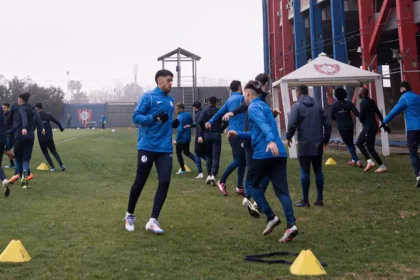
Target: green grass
(71, 222)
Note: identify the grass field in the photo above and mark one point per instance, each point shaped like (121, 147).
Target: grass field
(71, 222)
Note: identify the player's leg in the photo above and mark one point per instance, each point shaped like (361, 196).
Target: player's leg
(53, 150)
(9, 151)
(278, 176)
(235, 145)
(145, 161)
(319, 179)
(348, 139)
(305, 180)
(43, 144)
(18, 151)
(164, 169)
(370, 144)
(197, 160)
(241, 170)
(208, 148)
(3, 179)
(186, 151)
(27, 155)
(179, 148)
(216, 152)
(413, 141)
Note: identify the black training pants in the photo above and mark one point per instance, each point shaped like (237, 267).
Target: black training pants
(50, 145)
(368, 137)
(183, 148)
(413, 141)
(213, 144)
(163, 163)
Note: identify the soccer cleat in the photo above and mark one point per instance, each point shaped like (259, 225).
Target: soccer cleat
(24, 180)
(352, 163)
(359, 164)
(240, 191)
(369, 166)
(180, 172)
(271, 225)
(251, 209)
(418, 182)
(213, 180)
(63, 168)
(302, 204)
(208, 180)
(153, 226)
(319, 203)
(381, 169)
(200, 176)
(290, 233)
(52, 170)
(129, 222)
(14, 179)
(222, 188)
(9, 166)
(6, 187)
(257, 207)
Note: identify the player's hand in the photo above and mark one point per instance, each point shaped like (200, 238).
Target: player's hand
(289, 143)
(43, 131)
(200, 140)
(227, 116)
(162, 117)
(276, 112)
(24, 132)
(174, 142)
(187, 126)
(272, 146)
(232, 133)
(62, 129)
(208, 125)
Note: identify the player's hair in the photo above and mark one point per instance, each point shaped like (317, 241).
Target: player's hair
(212, 100)
(7, 105)
(180, 105)
(235, 85)
(302, 89)
(262, 78)
(255, 86)
(364, 91)
(163, 73)
(340, 93)
(38, 105)
(197, 104)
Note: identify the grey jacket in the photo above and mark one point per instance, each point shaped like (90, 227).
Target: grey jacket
(312, 124)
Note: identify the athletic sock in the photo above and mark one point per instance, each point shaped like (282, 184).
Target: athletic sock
(369, 161)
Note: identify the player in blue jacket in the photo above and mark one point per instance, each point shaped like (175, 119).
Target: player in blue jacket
(103, 121)
(269, 159)
(235, 123)
(409, 103)
(154, 115)
(183, 136)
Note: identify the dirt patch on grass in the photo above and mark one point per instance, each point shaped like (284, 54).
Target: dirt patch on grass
(406, 214)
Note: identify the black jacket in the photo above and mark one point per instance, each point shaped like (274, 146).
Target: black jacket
(27, 118)
(312, 124)
(2, 127)
(368, 109)
(205, 116)
(46, 119)
(195, 124)
(341, 112)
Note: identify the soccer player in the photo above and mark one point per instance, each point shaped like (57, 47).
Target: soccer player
(183, 136)
(68, 120)
(211, 139)
(409, 103)
(252, 207)
(154, 115)
(46, 142)
(368, 110)
(9, 139)
(2, 146)
(236, 123)
(28, 119)
(103, 121)
(314, 132)
(341, 112)
(269, 160)
(198, 147)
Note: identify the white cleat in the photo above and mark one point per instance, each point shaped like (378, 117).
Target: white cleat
(208, 180)
(213, 180)
(271, 225)
(200, 176)
(153, 226)
(251, 209)
(289, 234)
(6, 187)
(129, 222)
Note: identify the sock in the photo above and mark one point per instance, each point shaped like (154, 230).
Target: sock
(383, 166)
(152, 220)
(353, 160)
(370, 161)
(128, 214)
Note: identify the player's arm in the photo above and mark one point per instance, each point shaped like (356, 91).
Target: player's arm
(256, 114)
(401, 105)
(364, 106)
(24, 117)
(293, 122)
(377, 111)
(54, 120)
(141, 113)
(179, 128)
(38, 120)
(354, 109)
(334, 112)
(242, 108)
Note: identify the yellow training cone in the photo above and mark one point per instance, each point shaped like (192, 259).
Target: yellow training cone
(330, 161)
(43, 167)
(15, 253)
(307, 264)
(186, 169)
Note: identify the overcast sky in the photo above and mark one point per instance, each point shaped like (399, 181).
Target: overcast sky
(99, 41)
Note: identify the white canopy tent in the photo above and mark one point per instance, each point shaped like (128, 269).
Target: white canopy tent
(325, 71)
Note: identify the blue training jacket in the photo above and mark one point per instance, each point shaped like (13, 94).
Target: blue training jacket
(183, 136)
(154, 136)
(409, 103)
(237, 122)
(263, 129)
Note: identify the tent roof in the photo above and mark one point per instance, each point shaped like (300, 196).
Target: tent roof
(325, 71)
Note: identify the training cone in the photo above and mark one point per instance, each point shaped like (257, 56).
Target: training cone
(186, 169)
(43, 167)
(307, 264)
(330, 161)
(15, 253)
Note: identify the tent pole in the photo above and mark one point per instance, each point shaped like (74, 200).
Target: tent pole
(286, 110)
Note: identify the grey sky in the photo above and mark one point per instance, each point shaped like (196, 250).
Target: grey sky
(100, 41)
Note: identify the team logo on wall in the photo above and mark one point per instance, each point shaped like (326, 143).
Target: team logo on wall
(84, 115)
(327, 69)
